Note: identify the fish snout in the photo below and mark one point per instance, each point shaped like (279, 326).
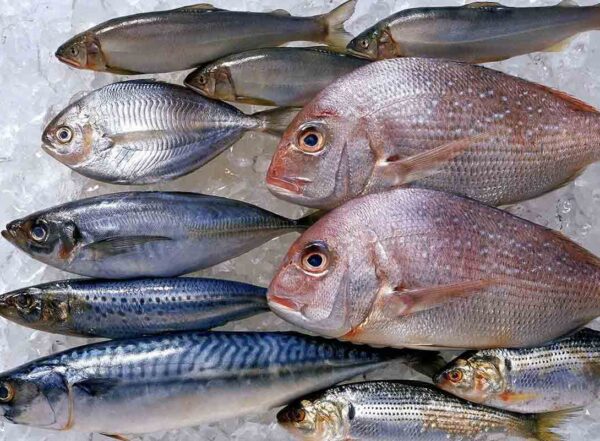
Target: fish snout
(15, 233)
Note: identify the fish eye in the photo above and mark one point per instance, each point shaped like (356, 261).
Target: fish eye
(315, 258)
(203, 80)
(310, 140)
(39, 232)
(74, 51)
(364, 43)
(7, 392)
(297, 415)
(64, 134)
(455, 376)
(25, 301)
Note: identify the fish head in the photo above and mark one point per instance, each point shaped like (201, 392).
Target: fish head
(315, 162)
(366, 44)
(35, 396)
(72, 138)
(473, 376)
(38, 307)
(83, 52)
(50, 237)
(317, 418)
(212, 81)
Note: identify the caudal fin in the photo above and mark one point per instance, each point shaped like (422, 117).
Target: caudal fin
(335, 34)
(275, 121)
(542, 426)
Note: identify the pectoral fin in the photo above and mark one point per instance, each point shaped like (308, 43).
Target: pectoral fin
(95, 387)
(114, 246)
(516, 397)
(410, 301)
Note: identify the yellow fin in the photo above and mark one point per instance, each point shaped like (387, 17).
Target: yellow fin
(545, 423)
(516, 397)
(475, 5)
(560, 46)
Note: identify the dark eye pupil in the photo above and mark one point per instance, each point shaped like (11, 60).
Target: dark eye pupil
(315, 260)
(4, 393)
(38, 232)
(63, 134)
(311, 140)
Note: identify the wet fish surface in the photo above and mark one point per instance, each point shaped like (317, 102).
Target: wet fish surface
(561, 375)
(132, 308)
(476, 33)
(426, 269)
(282, 76)
(183, 38)
(146, 234)
(144, 131)
(398, 410)
(433, 123)
(176, 380)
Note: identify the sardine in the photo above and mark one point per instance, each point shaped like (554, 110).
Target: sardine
(132, 308)
(561, 375)
(407, 410)
(176, 380)
(433, 123)
(146, 234)
(183, 38)
(142, 132)
(476, 33)
(283, 76)
(426, 269)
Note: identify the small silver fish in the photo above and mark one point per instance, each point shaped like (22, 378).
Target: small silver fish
(407, 410)
(131, 308)
(477, 33)
(146, 234)
(282, 76)
(176, 380)
(186, 37)
(142, 132)
(561, 375)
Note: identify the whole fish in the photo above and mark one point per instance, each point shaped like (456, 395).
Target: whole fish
(131, 308)
(426, 269)
(183, 38)
(141, 132)
(433, 123)
(407, 410)
(561, 375)
(476, 33)
(282, 76)
(141, 234)
(176, 380)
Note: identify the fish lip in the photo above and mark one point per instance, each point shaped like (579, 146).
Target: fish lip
(358, 54)
(283, 304)
(287, 185)
(68, 61)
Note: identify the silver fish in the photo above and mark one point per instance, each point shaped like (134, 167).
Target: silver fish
(561, 375)
(132, 308)
(427, 269)
(477, 33)
(183, 38)
(282, 76)
(146, 234)
(141, 132)
(176, 380)
(407, 410)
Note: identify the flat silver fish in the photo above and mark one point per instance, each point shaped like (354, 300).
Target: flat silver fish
(427, 269)
(282, 76)
(476, 33)
(143, 131)
(146, 234)
(132, 308)
(562, 375)
(177, 380)
(408, 410)
(186, 37)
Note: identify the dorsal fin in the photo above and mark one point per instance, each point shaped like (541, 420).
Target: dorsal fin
(573, 103)
(475, 5)
(577, 250)
(281, 12)
(568, 4)
(199, 7)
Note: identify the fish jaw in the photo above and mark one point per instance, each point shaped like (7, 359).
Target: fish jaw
(15, 233)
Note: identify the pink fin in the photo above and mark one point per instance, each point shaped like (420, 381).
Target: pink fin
(574, 103)
(117, 437)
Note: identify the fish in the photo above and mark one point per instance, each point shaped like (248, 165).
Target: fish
(282, 76)
(131, 308)
(169, 381)
(425, 269)
(146, 234)
(436, 124)
(478, 32)
(395, 410)
(562, 375)
(143, 132)
(183, 38)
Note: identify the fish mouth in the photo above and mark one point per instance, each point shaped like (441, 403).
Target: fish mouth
(359, 54)
(283, 304)
(68, 61)
(288, 185)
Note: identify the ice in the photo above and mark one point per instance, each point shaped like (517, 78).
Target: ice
(35, 86)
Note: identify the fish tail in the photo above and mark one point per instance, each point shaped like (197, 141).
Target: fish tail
(275, 121)
(541, 426)
(307, 221)
(335, 34)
